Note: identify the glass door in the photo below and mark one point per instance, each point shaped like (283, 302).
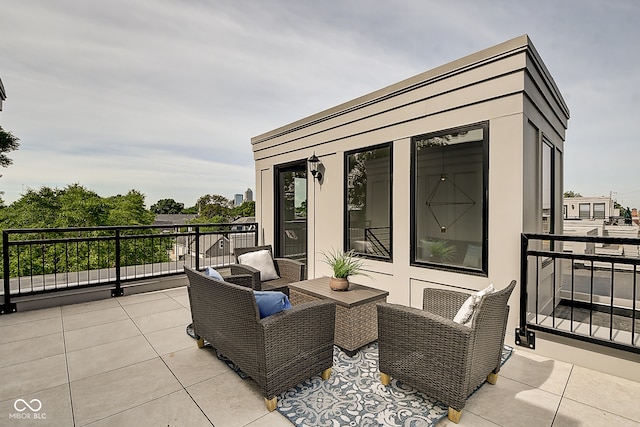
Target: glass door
(291, 211)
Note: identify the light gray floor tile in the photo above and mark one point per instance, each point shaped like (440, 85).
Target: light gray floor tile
(106, 357)
(513, 404)
(31, 349)
(50, 407)
(272, 419)
(92, 318)
(177, 292)
(103, 395)
(468, 419)
(170, 340)
(30, 330)
(29, 316)
(606, 392)
(142, 297)
(575, 414)
(85, 307)
(163, 320)
(151, 307)
(100, 334)
(175, 410)
(22, 379)
(194, 365)
(228, 400)
(537, 371)
(183, 301)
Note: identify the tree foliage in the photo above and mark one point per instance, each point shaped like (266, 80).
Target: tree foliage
(572, 194)
(8, 143)
(167, 206)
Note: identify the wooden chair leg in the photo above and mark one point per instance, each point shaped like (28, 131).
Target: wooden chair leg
(200, 342)
(272, 404)
(385, 379)
(454, 415)
(492, 378)
(326, 374)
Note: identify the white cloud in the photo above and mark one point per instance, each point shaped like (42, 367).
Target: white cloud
(165, 96)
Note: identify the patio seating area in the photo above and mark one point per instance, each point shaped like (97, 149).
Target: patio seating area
(128, 361)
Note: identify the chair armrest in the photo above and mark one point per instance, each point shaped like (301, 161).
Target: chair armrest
(240, 269)
(443, 302)
(299, 331)
(290, 269)
(246, 280)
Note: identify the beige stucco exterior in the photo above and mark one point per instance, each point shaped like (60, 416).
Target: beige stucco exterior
(507, 85)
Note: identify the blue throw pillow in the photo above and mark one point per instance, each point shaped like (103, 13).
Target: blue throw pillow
(212, 272)
(271, 302)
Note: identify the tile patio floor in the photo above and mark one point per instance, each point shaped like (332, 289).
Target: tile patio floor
(128, 362)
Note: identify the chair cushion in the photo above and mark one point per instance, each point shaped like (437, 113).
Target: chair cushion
(212, 272)
(465, 314)
(271, 302)
(260, 260)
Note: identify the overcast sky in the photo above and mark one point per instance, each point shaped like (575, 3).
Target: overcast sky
(164, 96)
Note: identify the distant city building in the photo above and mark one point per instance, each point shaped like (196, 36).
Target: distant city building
(3, 94)
(248, 195)
(237, 199)
(589, 208)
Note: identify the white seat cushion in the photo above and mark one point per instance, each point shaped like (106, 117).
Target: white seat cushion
(260, 260)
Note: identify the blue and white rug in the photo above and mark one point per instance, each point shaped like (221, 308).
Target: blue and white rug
(354, 396)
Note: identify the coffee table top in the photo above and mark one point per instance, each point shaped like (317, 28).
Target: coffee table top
(356, 295)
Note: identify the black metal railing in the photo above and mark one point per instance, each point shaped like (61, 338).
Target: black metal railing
(41, 261)
(379, 239)
(581, 287)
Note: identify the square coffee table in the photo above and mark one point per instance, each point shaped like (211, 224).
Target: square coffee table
(356, 313)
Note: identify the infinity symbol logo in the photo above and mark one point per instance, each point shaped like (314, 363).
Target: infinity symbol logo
(37, 405)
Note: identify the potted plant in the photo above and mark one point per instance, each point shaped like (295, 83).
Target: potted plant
(343, 264)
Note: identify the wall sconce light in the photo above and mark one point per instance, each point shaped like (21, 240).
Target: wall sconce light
(313, 166)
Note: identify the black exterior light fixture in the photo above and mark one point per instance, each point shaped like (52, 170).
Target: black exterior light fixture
(313, 166)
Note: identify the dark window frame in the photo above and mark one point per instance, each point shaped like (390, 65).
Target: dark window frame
(484, 264)
(345, 243)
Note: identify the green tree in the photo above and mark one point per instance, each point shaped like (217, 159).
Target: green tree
(8, 143)
(571, 194)
(128, 210)
(244, 210)
(167, 206)
(214, 206)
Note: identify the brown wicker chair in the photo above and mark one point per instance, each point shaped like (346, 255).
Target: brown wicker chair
(429, 351)
(289, 270)
(277, 352)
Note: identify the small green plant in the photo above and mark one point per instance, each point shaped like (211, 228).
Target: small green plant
(439, 250)
(343, 264)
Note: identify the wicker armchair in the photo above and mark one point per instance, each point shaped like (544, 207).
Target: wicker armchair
(278, 351)
(289, 270)
(429, 351)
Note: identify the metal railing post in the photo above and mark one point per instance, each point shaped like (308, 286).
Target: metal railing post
(523, 336)
(117, 292)
(6, 306)
(197, 247)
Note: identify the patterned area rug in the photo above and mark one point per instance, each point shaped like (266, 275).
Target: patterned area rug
(354, 396)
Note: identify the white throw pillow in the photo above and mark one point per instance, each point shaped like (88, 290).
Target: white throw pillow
(464, 316)
(262, 261)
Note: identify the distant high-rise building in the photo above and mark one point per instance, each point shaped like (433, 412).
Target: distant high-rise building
(248, 195)
(237, 199)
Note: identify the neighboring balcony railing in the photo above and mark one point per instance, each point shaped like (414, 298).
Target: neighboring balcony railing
(581, 287)
(41, 261)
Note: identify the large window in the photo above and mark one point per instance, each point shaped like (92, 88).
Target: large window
(598, 210)
(368, 204)
(449, 204)
(585, 211)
